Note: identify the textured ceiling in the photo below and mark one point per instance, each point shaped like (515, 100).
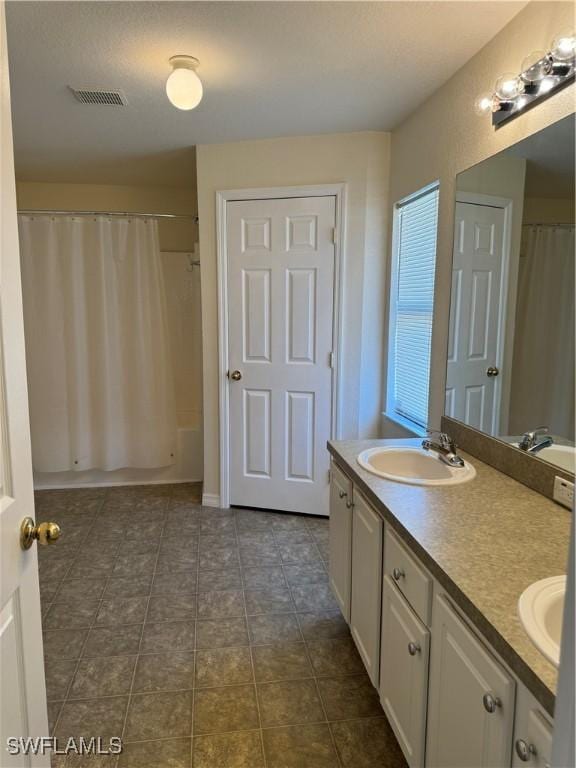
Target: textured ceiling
(269, 69)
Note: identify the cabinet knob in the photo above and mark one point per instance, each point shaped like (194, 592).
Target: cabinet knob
(349, 504)
(524, 750)
(342, 494)
(491, 703)
(398, 573)
(413, 649)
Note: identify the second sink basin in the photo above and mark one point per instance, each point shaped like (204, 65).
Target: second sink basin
(414, 466)
(541, 607)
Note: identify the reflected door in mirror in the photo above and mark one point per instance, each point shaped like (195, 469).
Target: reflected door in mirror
(476, 316)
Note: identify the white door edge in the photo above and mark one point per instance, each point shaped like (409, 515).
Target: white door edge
(223, 197)
(506, 303)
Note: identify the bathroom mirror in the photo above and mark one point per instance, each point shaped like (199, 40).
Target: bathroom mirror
(511, 341)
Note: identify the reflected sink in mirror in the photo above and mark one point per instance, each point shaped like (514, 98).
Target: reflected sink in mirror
(562, 456)
(540, 608)
(414, 466)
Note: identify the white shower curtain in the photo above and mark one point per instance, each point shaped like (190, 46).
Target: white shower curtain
(99, 372)
(543, 363)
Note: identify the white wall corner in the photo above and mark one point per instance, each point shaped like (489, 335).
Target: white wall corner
(210, 500)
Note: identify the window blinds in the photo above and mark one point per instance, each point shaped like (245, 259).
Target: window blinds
(416, 223)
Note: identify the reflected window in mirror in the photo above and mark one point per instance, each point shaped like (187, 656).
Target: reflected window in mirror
(511, 364)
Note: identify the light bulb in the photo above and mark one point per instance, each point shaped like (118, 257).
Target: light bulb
(184, 87)
(508, 87)
(484, 104)
(564, 46)
(535, 67)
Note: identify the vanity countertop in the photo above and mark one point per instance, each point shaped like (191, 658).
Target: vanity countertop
(484, 541)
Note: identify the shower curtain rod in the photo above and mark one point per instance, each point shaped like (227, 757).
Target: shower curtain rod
(556, 225)
(43, 211)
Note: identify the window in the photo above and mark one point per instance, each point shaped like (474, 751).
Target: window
(411, 307)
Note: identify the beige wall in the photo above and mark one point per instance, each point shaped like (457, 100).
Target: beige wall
(174, 235)
(545, 210)
(361, 160)
(182, 286)
(445, 136)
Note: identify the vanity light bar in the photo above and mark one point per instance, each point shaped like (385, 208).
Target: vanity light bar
(543, 73)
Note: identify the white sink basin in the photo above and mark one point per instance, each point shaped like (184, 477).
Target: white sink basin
(414, 466)
(540, 607)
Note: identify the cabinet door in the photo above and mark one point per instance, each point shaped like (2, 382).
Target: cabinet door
(366, 600)
(532, 733)
(471, 701)
(404, 672)
(341, 539)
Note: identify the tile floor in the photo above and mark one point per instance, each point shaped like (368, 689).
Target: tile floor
(204, 637)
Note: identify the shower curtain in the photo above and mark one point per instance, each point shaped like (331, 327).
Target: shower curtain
(99, 371)
(543, 362)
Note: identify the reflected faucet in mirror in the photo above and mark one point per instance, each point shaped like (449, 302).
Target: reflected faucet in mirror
(531, 441)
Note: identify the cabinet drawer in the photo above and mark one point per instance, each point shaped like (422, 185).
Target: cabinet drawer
(404, 652)
(414, 583)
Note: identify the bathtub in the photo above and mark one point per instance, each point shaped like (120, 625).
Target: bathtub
(188, 468)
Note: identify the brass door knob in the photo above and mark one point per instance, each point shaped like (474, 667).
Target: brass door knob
(235, 375)
(492, 371)
(45, 533)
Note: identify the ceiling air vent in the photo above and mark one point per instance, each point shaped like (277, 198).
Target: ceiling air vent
(105, 97)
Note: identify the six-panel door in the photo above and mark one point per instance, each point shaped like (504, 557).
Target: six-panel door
(366, 594)
(477, 317)
(280, 304)
(471, 698)
(341, 539)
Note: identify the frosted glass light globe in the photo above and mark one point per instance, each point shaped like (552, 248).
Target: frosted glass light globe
(564, 46)
(184, 87)
(484, 104)
(508, 87)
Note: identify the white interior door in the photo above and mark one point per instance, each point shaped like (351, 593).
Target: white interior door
(476, 317)
(280, 309)
(22, 687)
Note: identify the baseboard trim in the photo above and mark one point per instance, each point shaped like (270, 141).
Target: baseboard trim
(210, 500)
(108, 484)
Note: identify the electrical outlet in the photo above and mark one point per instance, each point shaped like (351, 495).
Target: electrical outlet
(564, 492)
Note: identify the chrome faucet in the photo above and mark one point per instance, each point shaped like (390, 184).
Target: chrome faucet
(531, 442)
(444, 446)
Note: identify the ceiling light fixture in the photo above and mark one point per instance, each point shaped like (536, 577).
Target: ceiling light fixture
(184, 87)
(542, 74)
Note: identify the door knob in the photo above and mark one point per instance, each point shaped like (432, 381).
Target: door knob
(45, 533)
(492, 371)
(235, 375)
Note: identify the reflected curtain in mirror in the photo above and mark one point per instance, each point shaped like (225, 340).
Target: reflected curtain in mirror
(99, 370)
(543, 367)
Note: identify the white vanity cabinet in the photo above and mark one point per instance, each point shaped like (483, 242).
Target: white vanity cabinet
(404, 652)
(366, 593)
(450, 700)
(341, 538)
(532, 733)
(471, 698)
